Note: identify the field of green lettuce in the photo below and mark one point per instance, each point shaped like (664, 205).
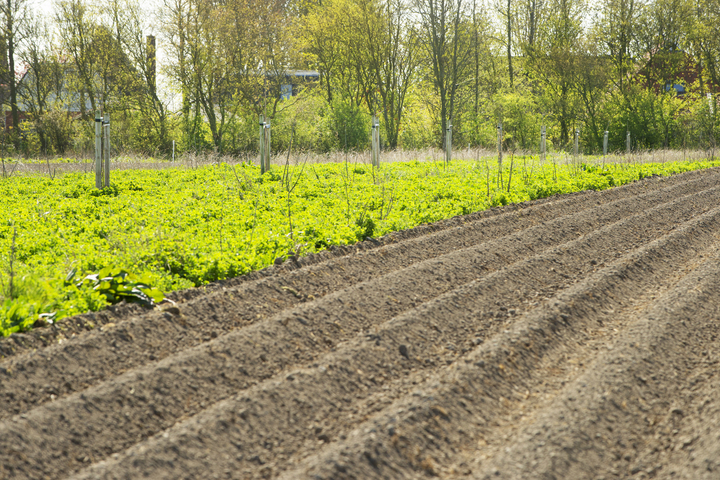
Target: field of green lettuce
(68, 248)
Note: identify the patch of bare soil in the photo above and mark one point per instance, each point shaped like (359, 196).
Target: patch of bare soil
(574, 337)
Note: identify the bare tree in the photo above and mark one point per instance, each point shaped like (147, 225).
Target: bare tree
(13, 32)
(388, 47)
(229, 57)
(175, 20)
(77, 29)
(617, 27)
(444, 32)
(42, 89)
(530, 16)
(128, 24)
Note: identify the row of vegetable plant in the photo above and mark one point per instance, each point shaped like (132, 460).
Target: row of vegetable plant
(68, 248)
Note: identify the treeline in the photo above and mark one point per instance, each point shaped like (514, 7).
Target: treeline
(318, 69)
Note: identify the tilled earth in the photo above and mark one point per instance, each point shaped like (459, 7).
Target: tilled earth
(574, 337)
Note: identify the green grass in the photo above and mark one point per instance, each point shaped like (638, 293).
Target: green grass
(178, 228)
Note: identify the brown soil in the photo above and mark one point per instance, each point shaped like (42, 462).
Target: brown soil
(575, 337)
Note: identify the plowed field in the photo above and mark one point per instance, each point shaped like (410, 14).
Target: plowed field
(575, 337)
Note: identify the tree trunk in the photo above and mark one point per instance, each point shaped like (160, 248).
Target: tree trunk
(12, 82)
(476, 89)
(509, 43)
(443, 116)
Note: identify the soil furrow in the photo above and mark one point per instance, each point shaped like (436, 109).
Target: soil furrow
(133, 405)
(626, 412)
(568, 337)
(687, 443)
(57, 371)
(364, 365)
(421, 432)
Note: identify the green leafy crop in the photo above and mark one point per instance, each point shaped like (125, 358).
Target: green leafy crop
(117, 285)
(178, 228)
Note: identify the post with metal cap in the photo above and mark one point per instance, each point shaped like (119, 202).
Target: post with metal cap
(106, 149)
(375, 142)
(448, 144)
(266, 149)
(261, 144)
(98, 150)
(577, 141)
(627, 143)
(605, 143)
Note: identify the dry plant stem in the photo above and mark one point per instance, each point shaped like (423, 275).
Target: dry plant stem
(532, 168)
(242, 197)
(289, 210)
(13, 169)
(222, 222)
(289, 189)
(286, 172)
(512, 160)
(192, 161)
(11, 292)
(385, 212)
(346, 182)
(51, 173)
(487, 177)
(252, 232)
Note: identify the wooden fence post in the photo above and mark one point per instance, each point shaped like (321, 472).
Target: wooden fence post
(543, 144)
(577, 142)
(375, 142)
(268, 129)
(448, 143)
(605, 143)
(106, 149)
(261, 144)
(98, 150)
(627, 143)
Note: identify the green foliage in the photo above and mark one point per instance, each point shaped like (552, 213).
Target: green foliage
(418, 128)
(521, 122)
(341, 124)
(46, 300)
(56, 130)
(178, 228)
(301, 119)
(532, 63)
(116, 285)
(30, 144)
